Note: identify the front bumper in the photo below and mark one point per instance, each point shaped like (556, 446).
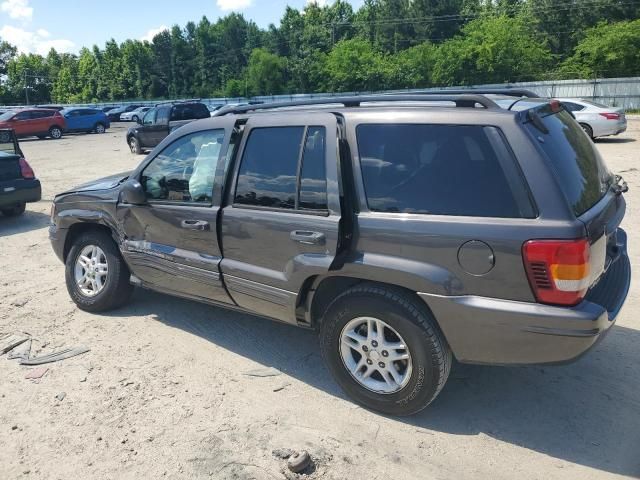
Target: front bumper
(503, 332)
(16, 192)
(58, 238)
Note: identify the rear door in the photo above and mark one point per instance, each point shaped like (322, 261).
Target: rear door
(159, 130)
(171, 243)
(280, 223)
(73, 119)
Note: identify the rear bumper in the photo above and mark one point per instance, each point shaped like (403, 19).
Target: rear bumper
(502, 332)
(16, 192)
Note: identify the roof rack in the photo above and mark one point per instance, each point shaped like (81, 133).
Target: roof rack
(507, 91)
(462, 101)
(176, 102)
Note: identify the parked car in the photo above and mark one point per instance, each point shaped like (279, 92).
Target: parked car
(406, 230)
(108, 109)
(134, 115)
(114, 115)
(162, 120)
(18, 183)
(596, 120)
(34, 122)
(52, 107)
(86, 120)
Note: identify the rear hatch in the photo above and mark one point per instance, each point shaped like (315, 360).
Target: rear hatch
(592, 191)
(9, 156)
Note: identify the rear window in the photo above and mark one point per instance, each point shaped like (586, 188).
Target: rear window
(190, 111)
(581, 172)
(440, 170)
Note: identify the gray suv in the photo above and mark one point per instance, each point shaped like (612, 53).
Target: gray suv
(406, 230)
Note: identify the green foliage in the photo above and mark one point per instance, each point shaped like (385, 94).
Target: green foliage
(385, 44)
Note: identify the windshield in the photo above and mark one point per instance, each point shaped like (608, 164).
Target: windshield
(581, 172)
(7, 116)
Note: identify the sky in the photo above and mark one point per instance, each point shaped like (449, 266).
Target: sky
(36, 26)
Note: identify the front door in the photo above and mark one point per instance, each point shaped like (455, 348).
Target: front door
(73, 119)
(171, 242)
(280, 225)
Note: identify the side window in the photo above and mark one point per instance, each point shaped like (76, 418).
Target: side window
(150, 117)
(23, 116)
(573, 107)
(439, 170)
(185, 170)
(269, 166)
(313, 176)
(43, 114)
(163, 115)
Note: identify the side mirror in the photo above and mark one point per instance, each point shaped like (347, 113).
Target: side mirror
(133, 193)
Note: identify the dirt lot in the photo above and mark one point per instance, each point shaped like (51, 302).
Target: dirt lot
(164, 392)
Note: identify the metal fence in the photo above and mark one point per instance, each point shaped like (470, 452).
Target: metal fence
(618, 92)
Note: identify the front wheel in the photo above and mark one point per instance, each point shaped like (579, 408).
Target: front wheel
(384, 349)
(14, 211)
(100, 128)
(55, 133)
(134, 146)
(97, 277)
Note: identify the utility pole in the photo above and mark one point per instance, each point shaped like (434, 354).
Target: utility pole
(26, 87)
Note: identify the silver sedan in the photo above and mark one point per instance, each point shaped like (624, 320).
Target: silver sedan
(597, 120)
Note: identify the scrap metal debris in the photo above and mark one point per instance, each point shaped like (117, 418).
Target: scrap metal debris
(56, 356)
(36, 373)
(21, 351)
(263, 372)
(299, 461)
(10, 342)
(61, 396)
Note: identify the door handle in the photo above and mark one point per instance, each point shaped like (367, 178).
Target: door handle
(200, 225)
(307, 238)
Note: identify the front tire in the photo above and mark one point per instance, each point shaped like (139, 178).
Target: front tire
(14, 211)
(385, 349)
(100, 128)
(134, 146)
(97, 277)
(55, 133)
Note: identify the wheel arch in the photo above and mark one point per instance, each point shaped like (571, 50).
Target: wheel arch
(78, 228)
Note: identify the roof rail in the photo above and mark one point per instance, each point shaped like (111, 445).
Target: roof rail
(176, 102)
(463, 101)
(507, 91)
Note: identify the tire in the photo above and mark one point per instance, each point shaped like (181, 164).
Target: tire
(5, 137)
(14, 211)
(55, 133)
(134, 146)
(116, 289)
(135, 119)
(427, 369)
(100, 128)
(588, 130)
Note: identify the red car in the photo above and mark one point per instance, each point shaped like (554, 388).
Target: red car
(34, 122)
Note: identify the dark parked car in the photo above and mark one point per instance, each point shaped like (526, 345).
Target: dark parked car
(34, 122)
(86, 120)
(114, 114)
(406, 230)
(162, 120)
(18, 184)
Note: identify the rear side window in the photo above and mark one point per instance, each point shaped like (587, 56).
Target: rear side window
(581, 172)
(190, 111)
(163, 115)
(269, 167)
(440, 170)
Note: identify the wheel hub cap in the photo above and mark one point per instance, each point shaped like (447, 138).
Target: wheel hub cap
(91, 270)
(375, 355)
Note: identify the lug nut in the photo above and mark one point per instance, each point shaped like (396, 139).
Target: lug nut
(381, 365)
(365, 348)
(385, 353)
(374, 344)
(369, 362)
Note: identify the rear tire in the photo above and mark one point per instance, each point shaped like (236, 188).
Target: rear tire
(134, 146)
(588, 130)
(55, 133)
(114, 289)
(100, 128)
(14, 211)
(135, 119)
(416, 380)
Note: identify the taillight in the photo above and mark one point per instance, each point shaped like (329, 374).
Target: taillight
(558, 270)
(610, 116)
(26, 170)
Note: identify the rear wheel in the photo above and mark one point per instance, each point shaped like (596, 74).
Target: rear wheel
(5, 137)
(588, 130)
(135, 119)
(14, 211)
(55, 133)
(100, 128)
(385, 349)
(97, 277)
(134, 145)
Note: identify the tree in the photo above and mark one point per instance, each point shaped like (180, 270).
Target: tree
(266, 73)
(354, 65)
(607, 50)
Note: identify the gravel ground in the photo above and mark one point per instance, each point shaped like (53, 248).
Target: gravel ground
(164, 392)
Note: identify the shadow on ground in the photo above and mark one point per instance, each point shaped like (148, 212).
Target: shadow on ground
(24, 223)
(587, 413)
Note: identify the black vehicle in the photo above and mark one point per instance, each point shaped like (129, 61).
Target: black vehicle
(406, 230)
(114, 114)
(160, 121)
(18, 184)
